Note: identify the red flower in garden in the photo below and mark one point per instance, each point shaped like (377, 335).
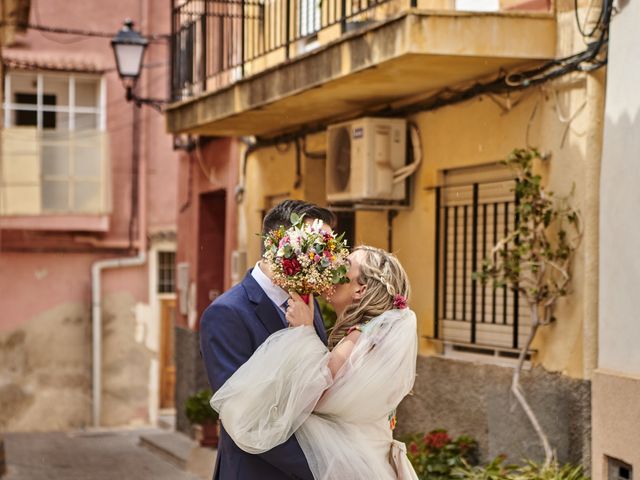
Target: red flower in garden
(437, 439)
(413, 448)
(291, 266)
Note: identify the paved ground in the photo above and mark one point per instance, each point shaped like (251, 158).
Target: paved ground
(107, 455)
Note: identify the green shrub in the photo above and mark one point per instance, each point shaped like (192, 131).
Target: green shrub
(198, 410)
(436, 455)
(498, 470)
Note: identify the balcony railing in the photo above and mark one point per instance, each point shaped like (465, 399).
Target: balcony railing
(217, 42)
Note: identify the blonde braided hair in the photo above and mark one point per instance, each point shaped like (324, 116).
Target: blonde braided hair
(385, 278)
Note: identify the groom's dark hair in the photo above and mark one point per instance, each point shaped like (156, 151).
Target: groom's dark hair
(281, 214)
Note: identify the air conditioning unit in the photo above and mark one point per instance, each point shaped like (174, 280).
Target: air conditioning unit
(362, 156)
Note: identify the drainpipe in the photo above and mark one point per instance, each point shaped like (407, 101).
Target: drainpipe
(139, 162)
(595, 91)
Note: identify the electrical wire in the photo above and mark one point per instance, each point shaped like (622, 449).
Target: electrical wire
(598, 23)
(36, 13)
(153, 38)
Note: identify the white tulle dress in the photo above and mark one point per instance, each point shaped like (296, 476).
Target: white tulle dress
(341, 424)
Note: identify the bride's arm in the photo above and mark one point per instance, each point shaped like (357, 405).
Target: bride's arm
(300, 313)
(341, 353)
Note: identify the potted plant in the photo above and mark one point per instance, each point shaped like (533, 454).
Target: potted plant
(203, 417)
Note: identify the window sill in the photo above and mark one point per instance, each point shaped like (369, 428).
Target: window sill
(486, 354)
(61, 222)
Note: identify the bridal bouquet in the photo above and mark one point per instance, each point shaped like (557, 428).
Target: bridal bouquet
(306, 258)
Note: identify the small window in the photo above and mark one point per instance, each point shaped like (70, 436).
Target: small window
(64, 114)
(166, 272)
(476, 210)
(618, 470)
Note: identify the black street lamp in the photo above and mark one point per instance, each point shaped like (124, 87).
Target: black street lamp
(129, 47)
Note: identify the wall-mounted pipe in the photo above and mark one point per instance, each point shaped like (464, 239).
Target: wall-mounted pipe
(139, 191)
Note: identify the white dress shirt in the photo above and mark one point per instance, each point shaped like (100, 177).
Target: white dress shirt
(276, 294)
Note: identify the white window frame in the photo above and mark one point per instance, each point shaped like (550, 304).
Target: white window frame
(72, 110)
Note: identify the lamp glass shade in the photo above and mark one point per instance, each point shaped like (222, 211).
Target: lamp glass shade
(129, 59)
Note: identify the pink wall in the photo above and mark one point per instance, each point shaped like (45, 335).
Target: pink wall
(36, 282)
(67, 261)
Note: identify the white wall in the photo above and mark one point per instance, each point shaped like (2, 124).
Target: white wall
(619, 319)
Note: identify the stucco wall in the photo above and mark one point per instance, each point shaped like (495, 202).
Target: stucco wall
(45, 366)
(620, 197)
(616, 386)
(616, 416)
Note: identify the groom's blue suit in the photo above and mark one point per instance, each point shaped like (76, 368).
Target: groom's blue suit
(231, 329)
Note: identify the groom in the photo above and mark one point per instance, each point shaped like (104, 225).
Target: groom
(232, 328)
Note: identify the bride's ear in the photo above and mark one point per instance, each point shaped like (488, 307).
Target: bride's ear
(360, 291)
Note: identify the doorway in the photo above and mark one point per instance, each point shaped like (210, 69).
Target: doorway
(211, 248)
(167, 357)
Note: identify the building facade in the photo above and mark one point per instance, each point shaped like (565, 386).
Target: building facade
(87, 205)
(616, 382)
(281, 80)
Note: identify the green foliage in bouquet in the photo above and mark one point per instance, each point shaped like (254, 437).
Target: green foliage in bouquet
(436, 455)
(198, 410)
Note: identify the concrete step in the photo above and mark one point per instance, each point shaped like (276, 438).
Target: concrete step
(167, 420)
(181, 451)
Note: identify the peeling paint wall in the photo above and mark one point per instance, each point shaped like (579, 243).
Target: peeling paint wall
(45, 363)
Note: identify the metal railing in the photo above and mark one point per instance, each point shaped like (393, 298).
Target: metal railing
(217, 42)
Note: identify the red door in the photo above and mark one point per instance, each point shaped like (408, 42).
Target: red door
(211, 248)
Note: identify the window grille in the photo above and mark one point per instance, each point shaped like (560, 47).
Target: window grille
(166, 272)
(475, 210)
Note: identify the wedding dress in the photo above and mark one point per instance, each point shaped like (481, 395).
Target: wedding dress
(341, 424)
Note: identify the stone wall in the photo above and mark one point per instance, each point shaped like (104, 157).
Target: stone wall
(190, 374)
(475, 399)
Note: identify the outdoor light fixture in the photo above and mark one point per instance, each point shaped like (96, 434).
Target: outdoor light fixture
(129, 47)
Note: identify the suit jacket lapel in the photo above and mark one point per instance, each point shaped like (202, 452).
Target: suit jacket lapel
(319, 324)
(267, 313)
(264, 308)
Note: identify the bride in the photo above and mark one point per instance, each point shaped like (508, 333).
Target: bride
(338, 402)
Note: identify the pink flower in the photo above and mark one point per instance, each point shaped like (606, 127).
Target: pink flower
(399, 301)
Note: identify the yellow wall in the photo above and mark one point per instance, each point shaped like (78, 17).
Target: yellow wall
(476, 132)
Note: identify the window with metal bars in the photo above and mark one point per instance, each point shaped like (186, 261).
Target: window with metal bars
(476, 208)
(166, 272)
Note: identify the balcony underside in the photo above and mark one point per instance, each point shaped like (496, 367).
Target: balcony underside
(405, 57)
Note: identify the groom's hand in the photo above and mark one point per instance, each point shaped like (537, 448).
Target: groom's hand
(299, 312)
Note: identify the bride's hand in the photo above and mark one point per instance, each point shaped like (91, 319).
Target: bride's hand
(298, 312)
